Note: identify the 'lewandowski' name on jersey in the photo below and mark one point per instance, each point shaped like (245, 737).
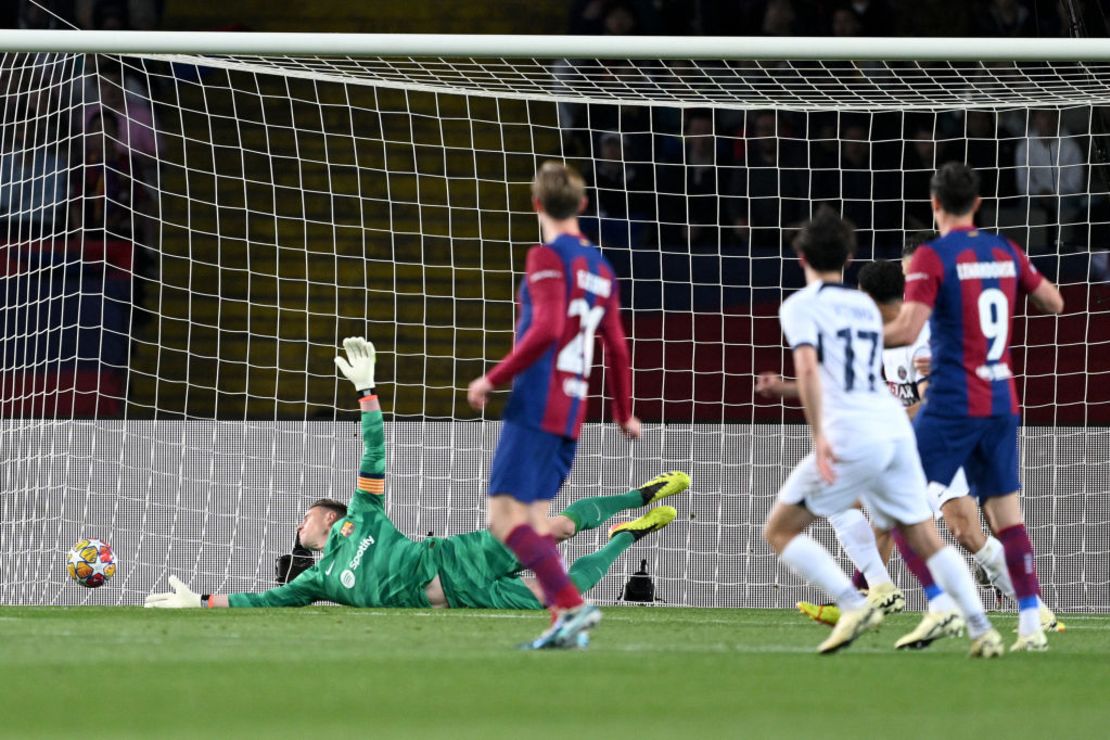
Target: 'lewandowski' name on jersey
(971, 279)
(985, 270)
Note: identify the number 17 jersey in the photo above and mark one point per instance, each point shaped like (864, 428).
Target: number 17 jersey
(970, 278)
(845, 328)
(569, 295)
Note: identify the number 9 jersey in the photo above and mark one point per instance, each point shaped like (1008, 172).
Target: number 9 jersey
(970, 279)
(569, 295)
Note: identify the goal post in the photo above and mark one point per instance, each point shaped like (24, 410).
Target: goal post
(192, 222)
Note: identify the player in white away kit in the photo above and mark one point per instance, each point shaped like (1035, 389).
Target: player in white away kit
(907, 377)
(863, 445)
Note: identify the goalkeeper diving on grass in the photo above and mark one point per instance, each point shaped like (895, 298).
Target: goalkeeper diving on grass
(367, 562)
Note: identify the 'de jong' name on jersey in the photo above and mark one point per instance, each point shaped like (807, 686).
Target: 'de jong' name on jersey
(569, 295)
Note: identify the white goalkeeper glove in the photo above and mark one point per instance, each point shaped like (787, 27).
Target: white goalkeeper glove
(181, 598)
(358, 365)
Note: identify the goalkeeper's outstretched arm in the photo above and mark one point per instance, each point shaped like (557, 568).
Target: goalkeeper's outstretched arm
(301, 591)
(357, 367)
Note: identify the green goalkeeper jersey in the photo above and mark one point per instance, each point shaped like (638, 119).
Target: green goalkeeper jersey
(366, 561)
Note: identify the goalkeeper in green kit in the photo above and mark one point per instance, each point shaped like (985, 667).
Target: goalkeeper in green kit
(367, 562)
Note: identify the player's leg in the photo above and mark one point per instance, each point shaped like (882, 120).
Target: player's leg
(961, 515)
(829, 613)
(592, 512)
(857, 538)
(992, 471)
(885, 542)
(938, 601)
(885, 545)
(869, 550)
(1005, 513)
(948, 569)
(587, 570)
(784, 531)
(899, 498)
(573, 617)
(991, 557)
(802, 496)
(942, 616)
(519, 497)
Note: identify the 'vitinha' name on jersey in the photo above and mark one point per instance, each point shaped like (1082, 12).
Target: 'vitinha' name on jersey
(855, 312)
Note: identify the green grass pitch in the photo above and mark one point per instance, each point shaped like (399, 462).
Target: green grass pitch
(650, 673)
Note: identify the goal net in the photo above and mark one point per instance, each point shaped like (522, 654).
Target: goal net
(188, 238)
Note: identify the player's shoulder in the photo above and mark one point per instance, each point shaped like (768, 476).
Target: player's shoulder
(347, 526)
(543, 251)
(799, 298)
(544, 262)
(936, 248)
(840, 293)
(804, 302)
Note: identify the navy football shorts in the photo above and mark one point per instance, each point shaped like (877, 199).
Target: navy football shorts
(530, 464)
(986, 447)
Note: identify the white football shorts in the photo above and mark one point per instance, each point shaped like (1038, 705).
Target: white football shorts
(884, 474)
(938, 497)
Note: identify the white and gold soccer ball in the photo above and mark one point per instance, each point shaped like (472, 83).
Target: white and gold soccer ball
(91, 562)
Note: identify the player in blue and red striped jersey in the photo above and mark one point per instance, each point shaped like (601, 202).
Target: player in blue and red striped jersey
(569, 294)
(967, 283)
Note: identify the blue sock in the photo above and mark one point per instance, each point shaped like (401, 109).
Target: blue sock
(932, 591)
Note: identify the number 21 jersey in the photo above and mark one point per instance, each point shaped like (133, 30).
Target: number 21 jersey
(568, 296)
(970, 278)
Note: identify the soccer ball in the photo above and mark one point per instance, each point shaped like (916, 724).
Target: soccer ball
(91, 563)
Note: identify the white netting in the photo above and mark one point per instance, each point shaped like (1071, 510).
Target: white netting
(171, 313)
(807, 85)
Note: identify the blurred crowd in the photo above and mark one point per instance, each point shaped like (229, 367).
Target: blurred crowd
(995, 18)
(99, 15)
(76, 156)
(697, 180)
(734, 182)
(79, 139)
(741, 179)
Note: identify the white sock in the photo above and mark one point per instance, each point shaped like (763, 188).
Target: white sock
(942, 603)
(992, 559)
(858, 540)
(951, 575)
(1029, 621)
(805, 556)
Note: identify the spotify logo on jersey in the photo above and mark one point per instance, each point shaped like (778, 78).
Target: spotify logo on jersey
(347, 578)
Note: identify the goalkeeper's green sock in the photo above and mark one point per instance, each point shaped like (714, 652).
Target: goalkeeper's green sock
(589, 569)
(590, 513)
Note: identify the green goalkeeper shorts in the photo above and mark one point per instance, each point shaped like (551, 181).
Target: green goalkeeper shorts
(478, 572)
